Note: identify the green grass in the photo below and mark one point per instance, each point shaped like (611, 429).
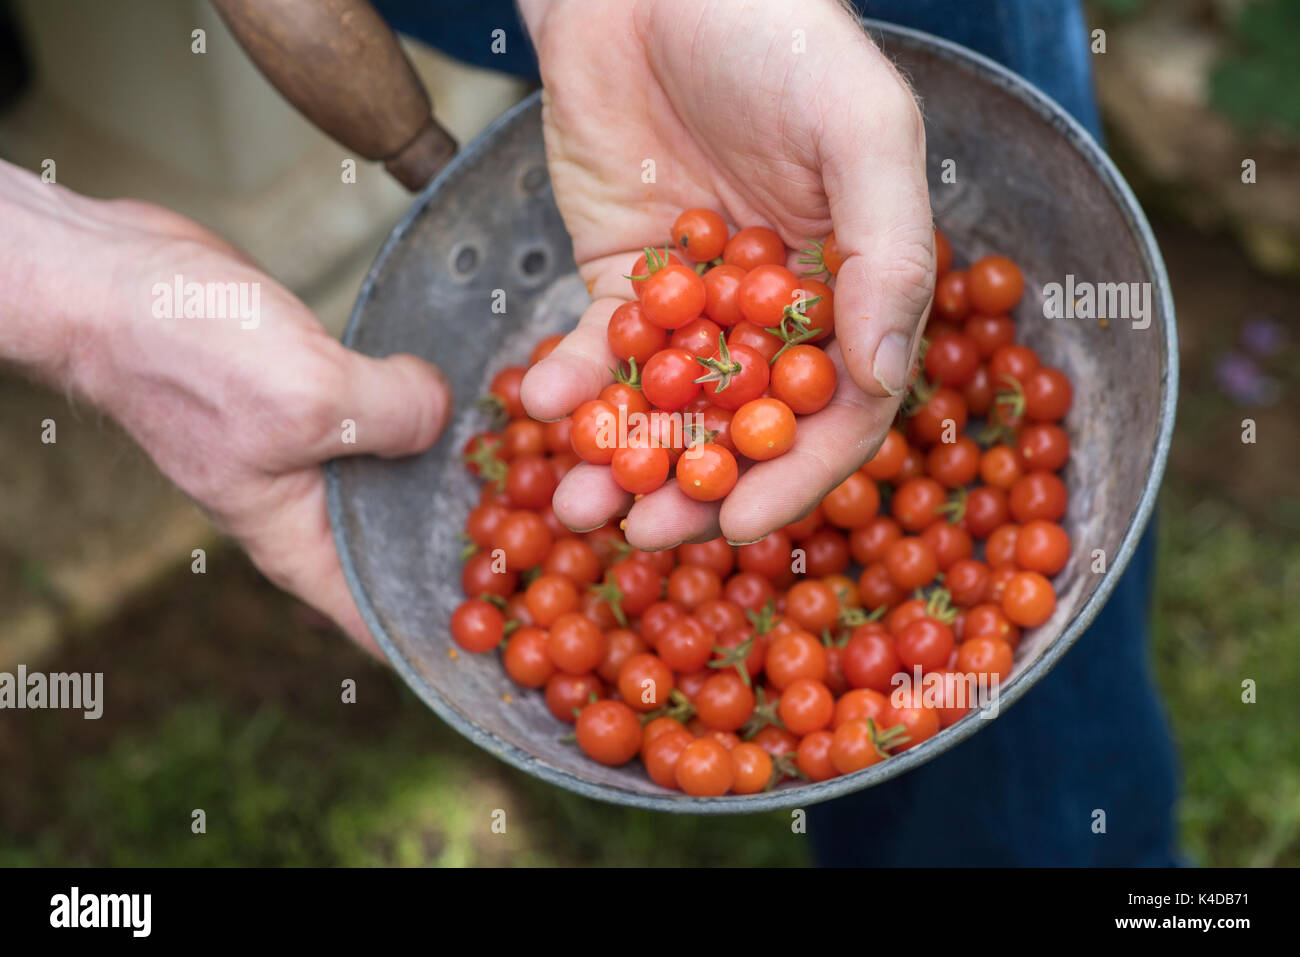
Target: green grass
(1227, 612)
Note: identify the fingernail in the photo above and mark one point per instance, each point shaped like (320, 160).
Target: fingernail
(890, 367)
(738, 544)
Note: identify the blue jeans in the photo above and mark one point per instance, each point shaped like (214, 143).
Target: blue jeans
(1089, 736)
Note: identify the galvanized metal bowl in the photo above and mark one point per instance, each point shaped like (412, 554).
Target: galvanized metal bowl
(1031, 183)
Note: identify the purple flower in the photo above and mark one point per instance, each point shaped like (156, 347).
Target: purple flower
(1243, 382)
(1263, 335)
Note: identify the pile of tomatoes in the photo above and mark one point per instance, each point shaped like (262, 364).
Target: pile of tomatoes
(719, 359)
(731, 668)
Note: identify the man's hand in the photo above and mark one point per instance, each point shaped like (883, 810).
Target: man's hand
(773, 113)
(240, 416)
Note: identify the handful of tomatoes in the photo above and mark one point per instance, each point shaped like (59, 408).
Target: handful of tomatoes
(731, 668)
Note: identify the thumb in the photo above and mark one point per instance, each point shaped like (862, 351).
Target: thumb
(874, 172)
(389, 407)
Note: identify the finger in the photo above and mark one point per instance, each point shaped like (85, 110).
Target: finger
(577, 369)
(874, 172)
(349, 404)
(588, 497)
(667, 517)
(828, 446)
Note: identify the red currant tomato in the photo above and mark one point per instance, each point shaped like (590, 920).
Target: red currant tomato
(477, 625)
(722, 294)
(754, 246)
(1028, 599)
(704, 768)
(673, 296)
(763, 429)
(996, 285)
(668, 380)
(707, 472)
(644, 682)
(608, 732)
(925, 643)
(951, 359)
(765, 292)
(700, 234)
(631, 335)
(804, 378)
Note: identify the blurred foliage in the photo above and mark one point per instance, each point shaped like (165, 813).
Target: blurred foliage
(1257, 84)
(1227, 611)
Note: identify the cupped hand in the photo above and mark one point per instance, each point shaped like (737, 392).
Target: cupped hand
(239, 412)
(772, 113)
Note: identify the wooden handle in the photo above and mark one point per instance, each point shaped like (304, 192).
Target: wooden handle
(341, 66)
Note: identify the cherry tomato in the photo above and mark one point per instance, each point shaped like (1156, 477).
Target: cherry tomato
(943, 415)
(657, 617)
(986, 509)
(954, 464)
(870, 659)
(966, 580)
(927, 643)
(770, 556)
(645, 267)
(523, 538)
(1048, 394)
(699, 337)
(566, 693)
(814, 756)
(631, 335)
(523, 437)
(575, 643)
(707, 472)
(988, 621)
(793, 656)
(549, 597)
(942, 254)
(983, 657)
(854, 747)
(921, 723)
(826, 552)
(525, 658)
(725, 702)
(752, 766)
(531, 481)
(1043, 445)
(505, 387)
(645, 682)
(752, 247)
(484, 574)
(662, 754)
(858, 705)
(1038, 495)
(952, 296)
(716, 554)
(885, 465)
(815, 304)
(477, 625)
(692, 585)
(595, 431)
(762, 429)
(544, 348)
(806, 706)
(952, 359)
(750, 590)
(640, 470)
(877, 588)
(685, 644)
(673, 296)
(765, 292)
(756, 338)
(1012, 364)
(950, 543)
(853, 502)
(804, 378)
(916, 503)
(1028, 599)
(700, 233)
(574, 559)
(721, 294)
(608, 732)
(911, 563)
(704, 768)
(668, 380)
(1000, 549)
(995, 285)
(868, 542)
(742, 375)
(812, 605)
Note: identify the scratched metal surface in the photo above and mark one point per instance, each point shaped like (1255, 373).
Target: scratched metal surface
(1030, 183)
